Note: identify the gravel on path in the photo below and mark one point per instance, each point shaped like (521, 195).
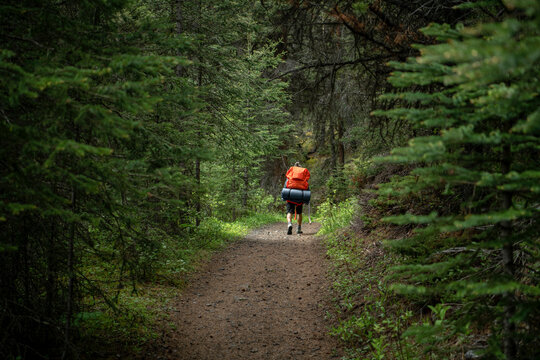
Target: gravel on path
(263, 297)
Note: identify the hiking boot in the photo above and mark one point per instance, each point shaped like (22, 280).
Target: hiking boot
(299, 231)
(289, 230)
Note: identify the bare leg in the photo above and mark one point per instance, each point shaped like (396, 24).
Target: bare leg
(289, 223)
(299, 216)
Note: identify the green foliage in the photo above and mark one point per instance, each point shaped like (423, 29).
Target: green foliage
(338, 187)
(112, 124)
(138, 307)
(475, 99)
(244, 122)
(371, 320)
(223, 232)
(336, 216)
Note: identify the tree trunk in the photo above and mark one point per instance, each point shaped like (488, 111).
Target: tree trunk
(50, 287)
(198, 160)
(198, 204)
(333, 157)
(179, 19)
(71, 276)
(26, 262)
(341, 147)
(246, 188)
(233, 193)
(510, 348)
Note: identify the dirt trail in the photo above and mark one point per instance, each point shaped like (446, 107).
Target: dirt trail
(264, 297)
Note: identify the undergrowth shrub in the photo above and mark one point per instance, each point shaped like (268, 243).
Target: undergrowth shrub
(336, 216)
(125, 311)
(370, 318)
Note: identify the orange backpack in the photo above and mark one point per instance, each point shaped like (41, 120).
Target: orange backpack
(297, 178)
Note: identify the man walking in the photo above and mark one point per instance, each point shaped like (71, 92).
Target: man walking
(297, 178)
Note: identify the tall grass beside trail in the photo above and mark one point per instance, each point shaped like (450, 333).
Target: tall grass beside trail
(369, 318)
(336, 216)
(125, 318)
(221, 232)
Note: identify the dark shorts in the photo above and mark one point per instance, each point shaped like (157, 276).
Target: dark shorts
(291, 207)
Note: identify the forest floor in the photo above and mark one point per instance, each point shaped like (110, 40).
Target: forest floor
(263, 297)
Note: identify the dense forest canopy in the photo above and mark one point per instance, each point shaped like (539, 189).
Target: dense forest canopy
(134, 130)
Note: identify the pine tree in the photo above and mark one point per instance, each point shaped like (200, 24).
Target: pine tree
(243, 121)
(474, 98)
(105, 125)
(80, 149)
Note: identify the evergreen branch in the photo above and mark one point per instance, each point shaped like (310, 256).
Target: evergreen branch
(28, 40)
(5, 116)
(97, 289)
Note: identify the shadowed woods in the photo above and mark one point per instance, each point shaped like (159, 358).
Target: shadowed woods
(138, 137)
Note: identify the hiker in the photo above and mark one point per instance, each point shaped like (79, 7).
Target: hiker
(297, 178)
